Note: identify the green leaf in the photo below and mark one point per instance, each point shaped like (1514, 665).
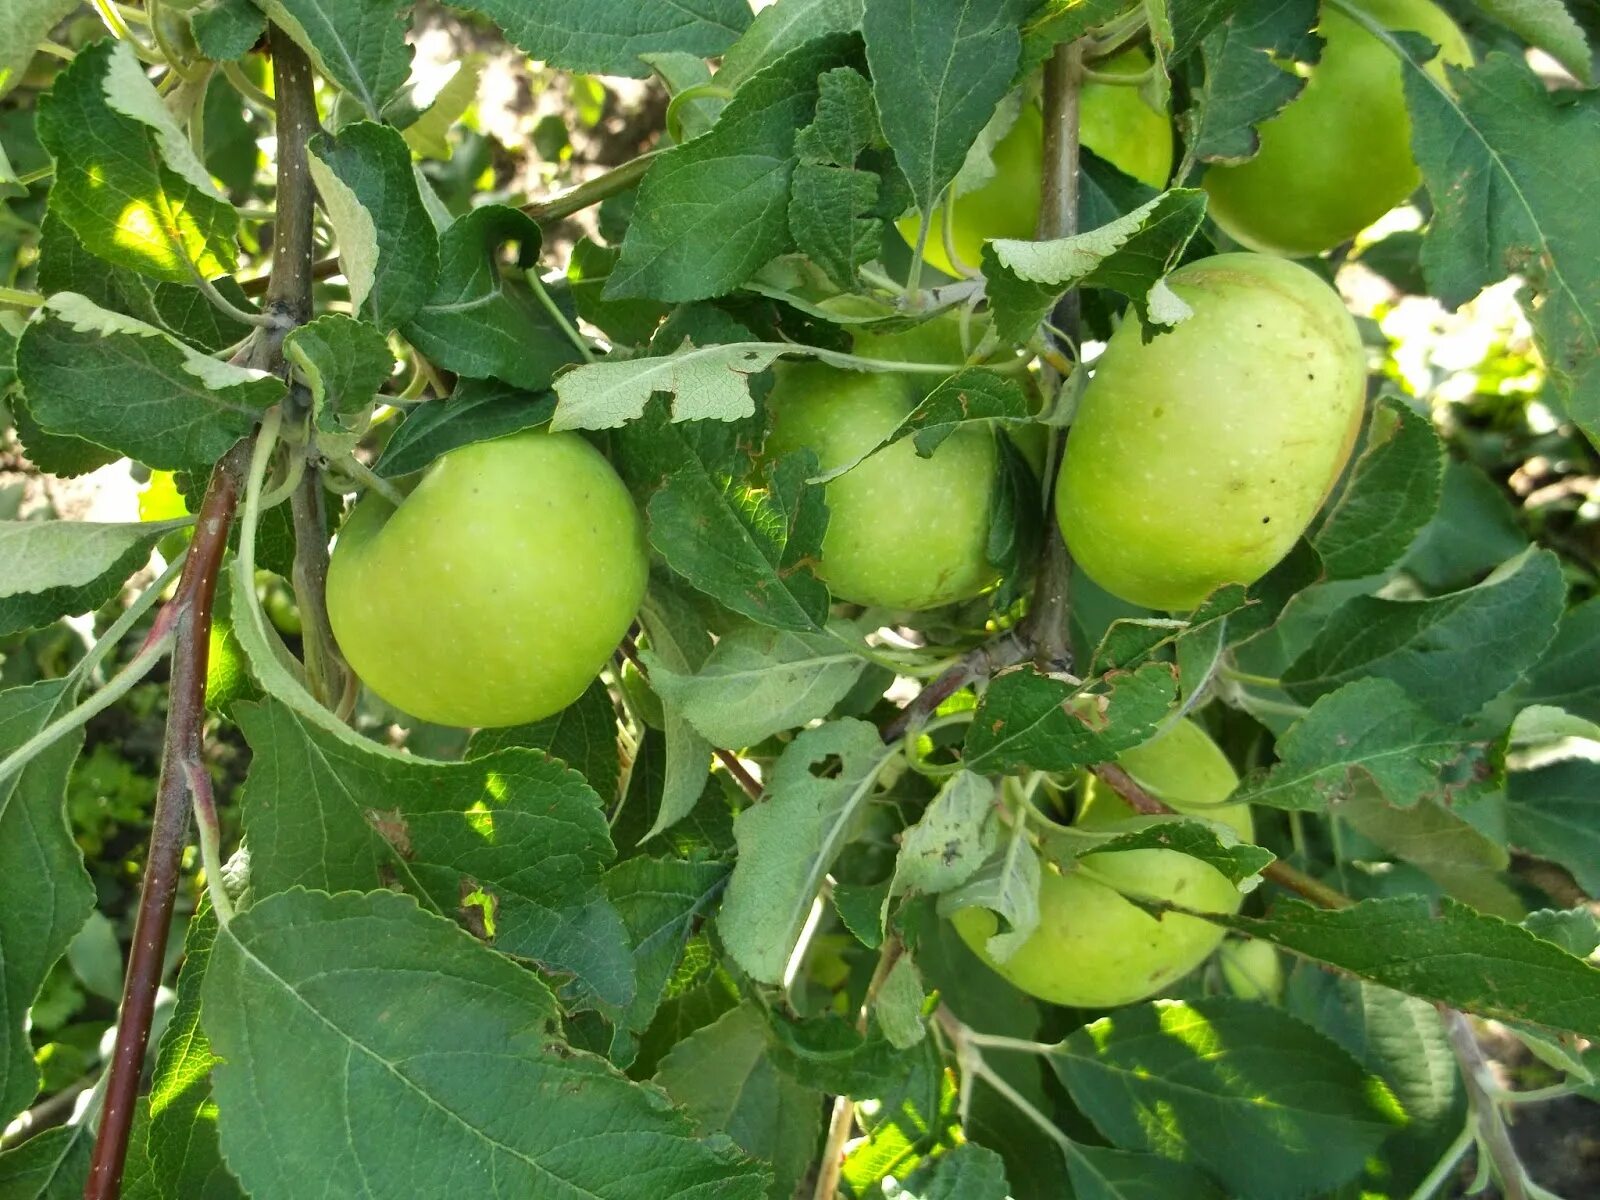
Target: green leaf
(583, 736)
(1100, 1173)
(1454, 956)
(1475, 529)
(950, 841)
(227, 30)
(1055, 21)
(482, 322)
(939, 67)
(358, 44)
(750, 547)
(1552, 813)
(829, 216)
(1250, 61)
(429, 135)
(1214, 844)
(1575, 930)
(713, 211)
(1451, 654)
(1368, 734)
(1445, 843)
(1565, 676)
(117, 382)
(760, 681)
(973, 394)
(1485, 154)
(183, 1116)
(663, 901)
(1131, 255)
(54, 453)
(606, 37)
(1030, 720)
(724, 1078)
(1403, 1041)
(789, 840)
(625, 322)
(50, 569)
(53, 1165)
(830, 1054)
(898, 1006)
(1547, 25)
(343, 362)
(1008, 886)
(388, 247)
(187, 313)
(1393, 492)
(66, 265)
(126, 179)
(845, 124)
(679, 642)
(45, 894)
(401, 1021)
(710, 384)
(784, 26)
(968, 1172)
(23, 25)
(512, 832)
(477, 411)
(1193, 1082)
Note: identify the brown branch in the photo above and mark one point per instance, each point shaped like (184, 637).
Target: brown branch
(977, 666)
(556, 208)
(1045, 626)
(188, 615)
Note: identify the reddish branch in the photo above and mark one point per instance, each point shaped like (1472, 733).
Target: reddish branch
(188, 616)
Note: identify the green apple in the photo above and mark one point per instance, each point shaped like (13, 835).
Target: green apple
(1094, 948)
(1251, 969)
(500, 586)
(1114, 122)
(1198, 458)
(1339, 155)
(904, 532)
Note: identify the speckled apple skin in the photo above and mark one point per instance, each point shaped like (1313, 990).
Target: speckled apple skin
(904, 532)
(498, 589)
(1198, 458)
(1096, 949)
(1339, 155)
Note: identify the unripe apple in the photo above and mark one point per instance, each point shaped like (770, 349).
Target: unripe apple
(1252, 969)
(498, 589)
(903, 532)
(1198, 458)
(1094, 948)
(1339, 155)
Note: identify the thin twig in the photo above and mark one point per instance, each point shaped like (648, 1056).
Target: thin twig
(843, 1118)
(977, 666)
(1494, 1136)
(189, 617)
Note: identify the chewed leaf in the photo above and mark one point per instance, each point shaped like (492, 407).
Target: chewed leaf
(711, 383)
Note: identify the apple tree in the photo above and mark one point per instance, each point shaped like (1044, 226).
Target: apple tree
(927, 629)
